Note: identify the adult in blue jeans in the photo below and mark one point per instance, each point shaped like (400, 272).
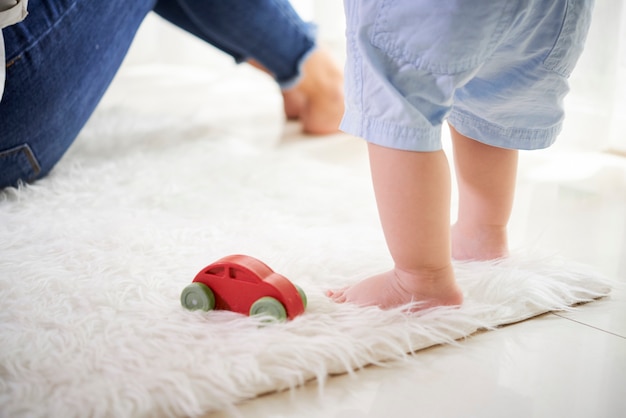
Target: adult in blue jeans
(62, 56)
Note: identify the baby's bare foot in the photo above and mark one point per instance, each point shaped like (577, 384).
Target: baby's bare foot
(397, 288)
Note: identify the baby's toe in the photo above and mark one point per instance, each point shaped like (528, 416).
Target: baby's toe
(338, 296)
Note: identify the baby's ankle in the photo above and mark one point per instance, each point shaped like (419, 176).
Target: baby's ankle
(479, 242)
(438, 282)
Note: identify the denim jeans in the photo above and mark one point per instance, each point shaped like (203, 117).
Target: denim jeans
(62, 57)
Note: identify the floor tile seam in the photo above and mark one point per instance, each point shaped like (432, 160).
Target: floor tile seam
(589, 325)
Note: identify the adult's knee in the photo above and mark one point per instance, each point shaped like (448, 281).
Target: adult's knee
(26, 162)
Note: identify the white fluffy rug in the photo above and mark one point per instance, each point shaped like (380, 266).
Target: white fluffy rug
(93, 260)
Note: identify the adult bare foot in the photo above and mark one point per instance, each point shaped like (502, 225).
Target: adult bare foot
(317, 101)
(396, 288)
(318, 96)
(294, 102)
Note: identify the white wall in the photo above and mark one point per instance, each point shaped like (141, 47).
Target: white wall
(596, 106)
(617, 132)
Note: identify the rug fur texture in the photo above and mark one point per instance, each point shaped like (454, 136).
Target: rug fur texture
(93, 260)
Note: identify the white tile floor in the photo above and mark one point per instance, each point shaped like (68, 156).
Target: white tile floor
(556, 365)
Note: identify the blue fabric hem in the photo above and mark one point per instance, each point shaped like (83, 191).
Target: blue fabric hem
(502, 137)
(392, 136)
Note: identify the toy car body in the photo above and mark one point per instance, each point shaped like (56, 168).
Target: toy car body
(243, 284)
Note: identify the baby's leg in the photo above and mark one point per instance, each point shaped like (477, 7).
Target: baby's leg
(486, 178)
(413, 196)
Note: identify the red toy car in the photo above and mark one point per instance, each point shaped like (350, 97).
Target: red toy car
(243, 284)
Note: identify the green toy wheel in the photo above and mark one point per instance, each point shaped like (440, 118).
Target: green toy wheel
(197, 296)
(302, 295)
(269, 306)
